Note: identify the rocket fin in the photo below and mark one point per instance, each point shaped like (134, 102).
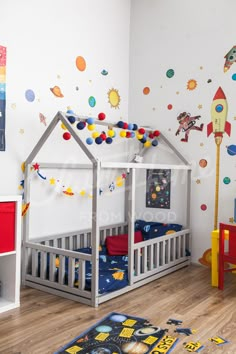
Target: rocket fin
(209, 128)
(228, 128)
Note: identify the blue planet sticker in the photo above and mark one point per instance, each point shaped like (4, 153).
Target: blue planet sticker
(30, 95)
(234, 77)
(92, 101)
(226, 180)
(231, 150)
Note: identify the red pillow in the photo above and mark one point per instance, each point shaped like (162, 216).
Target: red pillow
(118, 245)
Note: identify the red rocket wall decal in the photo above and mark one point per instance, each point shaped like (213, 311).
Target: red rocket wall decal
(218, 126)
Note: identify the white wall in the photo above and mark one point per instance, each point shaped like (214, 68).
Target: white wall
(43, 40)
(192, 38)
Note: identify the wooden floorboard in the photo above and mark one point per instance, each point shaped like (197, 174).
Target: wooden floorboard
(45, 322)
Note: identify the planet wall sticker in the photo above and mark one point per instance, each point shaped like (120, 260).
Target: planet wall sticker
(80, 63)
(30, 95)
(146, 90)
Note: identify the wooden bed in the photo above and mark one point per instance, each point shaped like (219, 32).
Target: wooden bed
(48, 263)
(149, 260)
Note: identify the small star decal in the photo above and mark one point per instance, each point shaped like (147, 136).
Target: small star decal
(36, 166)
(177, 92)
(234, 117)
(231, 220)
(21, 131)
(52, 181)
(200, 106)
(198, 181)
(124, 175)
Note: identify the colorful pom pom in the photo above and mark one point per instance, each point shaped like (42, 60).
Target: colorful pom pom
(125, 125)
(130, 126)
(71, 119)
(109, 140)
(81, 125)
(111, 133)
(147, 144)
(98, 140)
(120, 124)
(89, 141)
(66, 136)
(154, 143)
(95, 134)
(141, 130)
(90, 121)
(103, 136)
(156, 133)
(135, 126)
(123, 133)
(63, 126)
(101, 116)
(91, 127)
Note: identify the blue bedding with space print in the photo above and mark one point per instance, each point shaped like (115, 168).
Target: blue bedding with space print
(113, 271)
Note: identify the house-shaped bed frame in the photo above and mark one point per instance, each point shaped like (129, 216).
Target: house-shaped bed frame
(148, 260)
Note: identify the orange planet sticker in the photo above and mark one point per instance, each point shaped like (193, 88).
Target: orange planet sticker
(80, 63)
(57, 91)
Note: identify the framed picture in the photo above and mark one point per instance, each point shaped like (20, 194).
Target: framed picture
(158, 188)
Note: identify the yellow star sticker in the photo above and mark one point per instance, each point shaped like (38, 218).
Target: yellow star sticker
(231, 220)
(200, 106)
(52, 181)
(198, 181)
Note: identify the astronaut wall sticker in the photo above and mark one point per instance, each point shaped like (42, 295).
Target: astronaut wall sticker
(2, 97)
(186, 124)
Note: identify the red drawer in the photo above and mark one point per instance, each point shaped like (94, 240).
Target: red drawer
(7, 226)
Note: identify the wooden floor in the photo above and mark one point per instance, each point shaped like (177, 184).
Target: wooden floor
(46, 322)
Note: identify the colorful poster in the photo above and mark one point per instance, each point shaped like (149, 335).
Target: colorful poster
(158, 188)
(2, 97)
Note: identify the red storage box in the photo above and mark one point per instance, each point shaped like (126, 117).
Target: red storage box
(7, 226)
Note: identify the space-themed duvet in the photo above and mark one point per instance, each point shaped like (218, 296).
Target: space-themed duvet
(113, 270)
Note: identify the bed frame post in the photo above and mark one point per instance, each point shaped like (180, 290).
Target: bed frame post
(95, 233)
(131, 220)
(188, 207)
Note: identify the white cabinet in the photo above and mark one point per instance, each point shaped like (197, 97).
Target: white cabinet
(10, 247)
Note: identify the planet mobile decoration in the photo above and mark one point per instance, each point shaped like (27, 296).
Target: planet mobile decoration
(218, 126)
